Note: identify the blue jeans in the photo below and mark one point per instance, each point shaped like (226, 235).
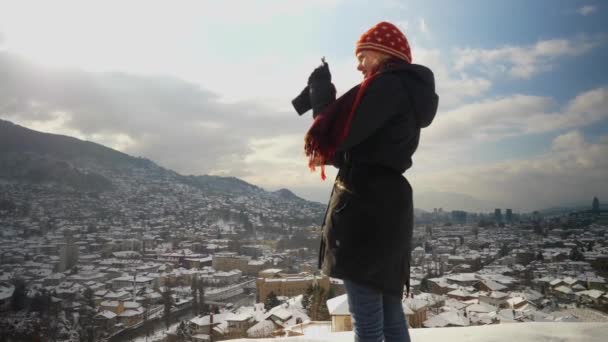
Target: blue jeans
(376, 316)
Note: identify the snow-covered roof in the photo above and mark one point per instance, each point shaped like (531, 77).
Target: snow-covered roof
(282, 314)
(447, 318)
(498, 295)
(238, 318)
(481, 307)
(494, 286)
(462, 277)
(261, 329)
(563, 289)
(6, 291)
(131, 313)
(590, 293)
(460, 293)
(338, 306)
(106, 314)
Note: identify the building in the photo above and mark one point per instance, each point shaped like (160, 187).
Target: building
(115, 306)
(225, 278)
(459, 216)
(595, 207)
(497, 215)
(509, 216)
(494, 298)
(228, 261)
(68, 255)
(138, 281)
(340, 314)
(288, 285)
(255, 266)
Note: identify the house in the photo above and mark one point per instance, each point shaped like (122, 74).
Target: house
(238, 324)
(490, 285)
(461, 294)
(115, 306)
(495, 298)
(340, 314)
(463, 279)
(439, 286)
(131, 317)
(208, 324)
(105, 320)
(416, 311)
(6, 293)
(564, 293)
(589, 296)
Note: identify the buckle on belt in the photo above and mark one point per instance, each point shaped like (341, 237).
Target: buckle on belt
(340, 185)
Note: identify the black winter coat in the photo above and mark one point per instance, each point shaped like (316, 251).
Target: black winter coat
(367, 230)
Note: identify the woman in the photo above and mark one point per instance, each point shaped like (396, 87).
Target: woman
(370, 133)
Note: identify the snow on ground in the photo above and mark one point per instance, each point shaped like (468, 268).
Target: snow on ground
(158, 335)
(520, 332)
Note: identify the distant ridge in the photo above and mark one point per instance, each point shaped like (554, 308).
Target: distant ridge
(30, 155)
(18, 139)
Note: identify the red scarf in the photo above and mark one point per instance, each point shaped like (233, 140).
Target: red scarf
(331, 127)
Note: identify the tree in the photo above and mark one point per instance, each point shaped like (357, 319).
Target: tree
(576, 255)
(41, 303)
(504, 250)
(306, 298)
(271, 301)
(167, 298)
(202, 307)
(318, 310)
(540, 256)
(424, 284)
(182, 332)
(476, 232)
(194, 293)
(19, 294)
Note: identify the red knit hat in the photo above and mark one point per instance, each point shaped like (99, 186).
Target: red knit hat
(387, 38)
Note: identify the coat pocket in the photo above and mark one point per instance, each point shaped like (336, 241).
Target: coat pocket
(340, 208)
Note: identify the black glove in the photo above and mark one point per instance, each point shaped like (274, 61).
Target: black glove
(319, 92)
(320, 74)
(322, 91)
(302, 102)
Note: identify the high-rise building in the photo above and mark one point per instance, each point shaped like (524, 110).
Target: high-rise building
(509, 216)
(596, 205)
(459, 216)
(497, 215)
(68, 254)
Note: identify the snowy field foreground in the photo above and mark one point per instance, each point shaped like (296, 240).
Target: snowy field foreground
(519, 332)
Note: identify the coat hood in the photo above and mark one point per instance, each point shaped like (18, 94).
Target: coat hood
(419, 83)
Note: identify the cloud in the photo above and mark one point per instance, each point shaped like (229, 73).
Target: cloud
(495, 119)
(586, 10)
(573, 170)
(453, 88)
(523, 62)
(178, 124)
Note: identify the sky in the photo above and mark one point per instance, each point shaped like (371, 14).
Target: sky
(205, 87)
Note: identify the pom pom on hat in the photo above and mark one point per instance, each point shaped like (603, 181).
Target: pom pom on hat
(386, 38)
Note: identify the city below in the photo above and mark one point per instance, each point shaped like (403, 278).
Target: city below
(100, 246)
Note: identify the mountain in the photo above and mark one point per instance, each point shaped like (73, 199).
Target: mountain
(287, 194)
(60, 170)
(15, 139)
